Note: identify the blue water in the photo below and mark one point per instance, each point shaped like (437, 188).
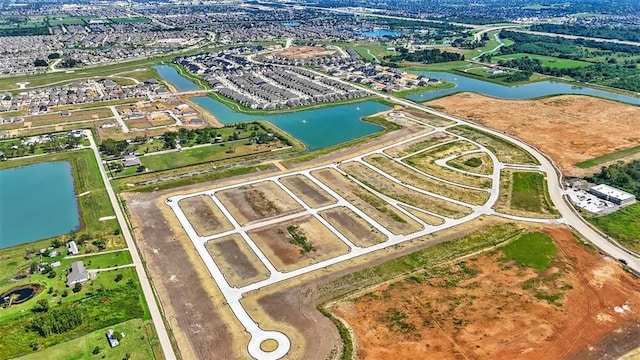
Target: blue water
(380, 33)
(37, 202)
(317, 128)
(170, 74)
(527, 91)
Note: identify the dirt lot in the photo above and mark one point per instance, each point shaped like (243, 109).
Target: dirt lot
(305, 52)
(479, 309)
(380, 211)
(308, 191)
(203, 214)
(353, 227)
(238, 263)
(404, 194)
(258, 202)
(277, 243)
(566, 128)
(429, 219)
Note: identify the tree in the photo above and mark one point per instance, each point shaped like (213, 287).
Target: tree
(118, 278)
(53, 56)
(42, 305)
(141, 168)
(52, 274)
(77, 288)
(96, 350)
(56, 243)
(40, 63)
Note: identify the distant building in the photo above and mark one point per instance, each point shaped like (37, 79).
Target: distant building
(612, 194)
(55, 264)
(131, 161)
(113, 342)
(72, 247)
(78, 274)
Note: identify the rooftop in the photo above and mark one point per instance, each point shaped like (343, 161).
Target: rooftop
(613, 192)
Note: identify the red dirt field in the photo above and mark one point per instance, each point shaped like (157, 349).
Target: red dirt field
(481, 308)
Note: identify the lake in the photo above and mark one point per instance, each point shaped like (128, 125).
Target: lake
(170, 74)
(526, 91)
(37, 202)
(316, 128)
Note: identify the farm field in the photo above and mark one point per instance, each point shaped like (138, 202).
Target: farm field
(547, 61)
(568, 129)
(449, 311)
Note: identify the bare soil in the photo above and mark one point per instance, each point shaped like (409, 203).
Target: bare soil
(480, 308)
(353, 227)
(238, 263)
(379, 210)
(277, 244)
(308, 191)
(569, 129)
(429, 219)
(203, 214)
(258, 202)
(426, 117)
(305, 52)
(404, 194)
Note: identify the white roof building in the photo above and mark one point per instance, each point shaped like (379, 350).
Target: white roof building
(612, 194)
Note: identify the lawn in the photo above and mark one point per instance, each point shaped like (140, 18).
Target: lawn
(608, 157)
(94, 204)
(547, 61)
(529, 192)
(100, 303)
(102, 261)
(622, 225)
(64, 20)
(198, 155)
(534, 250)
(138, 342)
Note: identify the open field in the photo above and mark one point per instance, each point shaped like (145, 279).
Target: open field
(546, 61)
(297, 243)
(417, 145)
(425, 161)
(566, 128)
(488, 307)
(393, 168)
(203, 214)
(139, 343)
(430, 119)
(56, 118)
(610, 157)
(622, 225)
(258, 202)
(353, 227)
(504, 150)
(477, 163)
(427, 218)
(401, 193)
(524, 193)
(305, 52)
(383, 213)
(308, 191)
(236, 260)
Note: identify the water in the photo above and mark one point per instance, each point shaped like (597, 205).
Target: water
(380, 33)
(37, 202)
(170, 74)
(527, 91)
(23, 293)
(317, 128)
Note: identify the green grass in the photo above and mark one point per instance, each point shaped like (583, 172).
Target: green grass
(87, 178)
(534, 250)
(622, 225)
(136, 342)
(425, 89)
(445, 66)
(608, 157)
(103, 261)
(130, 20)
(529, 192)
(56, 20)
(504, 150)
(547, 61)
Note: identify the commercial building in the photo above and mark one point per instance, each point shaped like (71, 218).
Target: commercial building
(612, 194)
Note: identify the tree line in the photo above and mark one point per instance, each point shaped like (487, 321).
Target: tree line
(599, 32)
(624, 176)
(426, 56)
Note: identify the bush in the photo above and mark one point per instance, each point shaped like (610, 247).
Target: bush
(77, 288)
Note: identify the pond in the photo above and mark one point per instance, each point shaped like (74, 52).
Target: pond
(316, 128)
(527, 91)
(37, 202)
(19, 294)
(170, 74)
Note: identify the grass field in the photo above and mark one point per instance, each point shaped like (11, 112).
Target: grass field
(103, 261)
(56, 20)
(535, 250)
(138, 342)
(529, 192)
(547, 61)
(95, 204)
(608, 157)
(622, 225)
(504, 150)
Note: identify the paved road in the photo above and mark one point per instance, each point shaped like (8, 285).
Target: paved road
(156, 316)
